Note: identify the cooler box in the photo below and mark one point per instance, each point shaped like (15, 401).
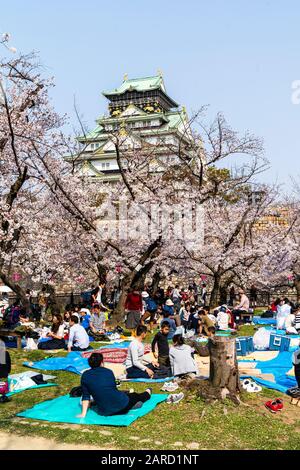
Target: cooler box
(242, 346)
(279, 342)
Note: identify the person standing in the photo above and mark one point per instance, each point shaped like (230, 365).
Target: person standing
(134, 309)
(160, 341)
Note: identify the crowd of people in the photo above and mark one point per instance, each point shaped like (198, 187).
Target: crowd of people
(175, 314)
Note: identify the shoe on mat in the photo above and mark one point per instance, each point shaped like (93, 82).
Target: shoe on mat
(272, 406)
(175, 398)
(253, 388)
(246, 383)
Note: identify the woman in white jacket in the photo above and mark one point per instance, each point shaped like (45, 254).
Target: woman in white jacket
(181, 359)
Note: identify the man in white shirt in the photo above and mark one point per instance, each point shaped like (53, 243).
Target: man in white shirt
(78, 337)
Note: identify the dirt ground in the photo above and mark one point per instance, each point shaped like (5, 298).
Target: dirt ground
(13, 442)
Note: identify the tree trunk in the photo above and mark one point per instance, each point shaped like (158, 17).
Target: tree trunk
(214, 296)
(224, 373)
(155, 281)
(125, 284)
(139, 279)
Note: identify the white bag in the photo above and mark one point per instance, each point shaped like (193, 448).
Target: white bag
(261, 339)
(31, 344)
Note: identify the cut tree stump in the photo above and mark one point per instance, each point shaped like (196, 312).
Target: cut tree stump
(224, 378)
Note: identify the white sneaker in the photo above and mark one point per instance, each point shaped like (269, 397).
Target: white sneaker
(176, 398)
(170, 387)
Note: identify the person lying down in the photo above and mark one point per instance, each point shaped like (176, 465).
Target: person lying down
(99, 390)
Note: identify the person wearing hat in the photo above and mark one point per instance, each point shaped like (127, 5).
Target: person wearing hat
(223, 318)
(85, 318)
(150, 309)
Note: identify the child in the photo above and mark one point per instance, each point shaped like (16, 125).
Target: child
(184, 315)
(182, 362)
(161, 340)
(171, 322)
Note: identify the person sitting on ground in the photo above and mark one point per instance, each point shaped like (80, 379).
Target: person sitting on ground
(274, 305)
(56, 335)
(289, 324)
(172, 325)
(242, 307)
(297, 318)
(181, 359)
(136, 366)
(5, 369)
(97, 321)
(223, 319)
(85, 318)
(78, 337)
(283, 311)
(99, 389)
(269, 313)
(204, 323)
(161, 341)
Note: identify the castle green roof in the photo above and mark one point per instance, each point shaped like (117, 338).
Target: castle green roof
(138, 84)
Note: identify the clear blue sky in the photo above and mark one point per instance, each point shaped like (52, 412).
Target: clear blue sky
(239, 56)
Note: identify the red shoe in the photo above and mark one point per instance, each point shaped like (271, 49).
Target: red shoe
(279, 404)
(272, 406)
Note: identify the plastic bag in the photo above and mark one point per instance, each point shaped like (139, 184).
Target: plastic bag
(261, 339)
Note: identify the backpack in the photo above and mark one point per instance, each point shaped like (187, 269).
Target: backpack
(151, 305)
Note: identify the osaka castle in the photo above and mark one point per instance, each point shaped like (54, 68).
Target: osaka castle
(141, 117)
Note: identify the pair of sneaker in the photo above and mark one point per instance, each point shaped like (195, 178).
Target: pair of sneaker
(250, 386)
(274, 405)
(175, 398)
(169, 387)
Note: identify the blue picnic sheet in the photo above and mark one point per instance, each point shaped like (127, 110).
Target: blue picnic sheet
(279, 366)
(73, 362)
(64, 410)
(9, 394)
(264, 321)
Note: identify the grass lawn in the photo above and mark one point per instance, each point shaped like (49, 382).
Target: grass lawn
(191, 424)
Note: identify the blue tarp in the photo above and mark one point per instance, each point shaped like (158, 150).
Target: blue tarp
(64, 410)
(73, 362)
(264, 321)
(279, 367)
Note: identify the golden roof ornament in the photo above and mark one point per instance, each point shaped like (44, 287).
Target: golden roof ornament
(159, 72)
(125, 78)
